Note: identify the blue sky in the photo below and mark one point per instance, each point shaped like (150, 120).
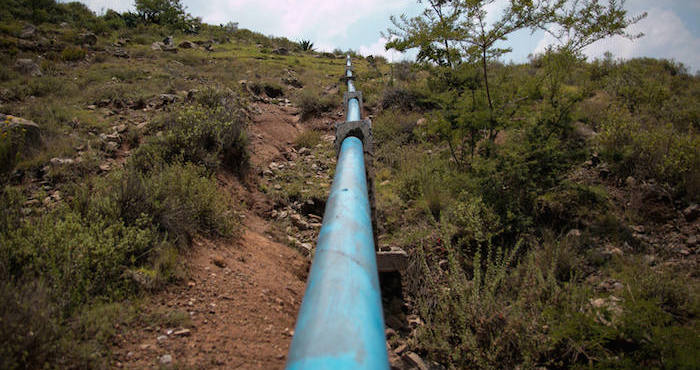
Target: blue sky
(672, 27)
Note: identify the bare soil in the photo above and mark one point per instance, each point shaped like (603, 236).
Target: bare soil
(241, 297)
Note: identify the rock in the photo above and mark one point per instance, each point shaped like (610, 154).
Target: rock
(630, 181)
(414, 360)
(61, 161)
(162, 338)
(613, 251)
(28, 67)
(105, 167)
(389, 333)
(414, 321)
(597, 303)
(168, 98)
(307, 246)
(638, 229)
(120, 53)
(421, 122)
(187, 45)
(157, 46)
(401, 348)
(692, 241)
(218, 261)
(111, 146)
(120, 128)
(300, 222)
(281, 51)
(304, 151)
(691, 212)
(166, 359)
(32, 132)
(27, 32)
(182, 333)
(88, 38)
(170, 49)
(573, 234)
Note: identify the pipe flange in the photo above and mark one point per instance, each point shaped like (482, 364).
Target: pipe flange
(360, 129)
(345, 79)
(353, 95)
(349, 68)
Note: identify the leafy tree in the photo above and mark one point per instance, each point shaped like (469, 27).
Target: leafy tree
(452, 33)
(166, 13)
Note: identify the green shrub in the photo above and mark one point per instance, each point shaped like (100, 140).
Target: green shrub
(208, 133)
(30, 334)
(307, 139)
(656, 151)
(311, 104)
(73, 54)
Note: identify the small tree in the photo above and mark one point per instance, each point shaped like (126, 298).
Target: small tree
(450, 33)
(169, 13)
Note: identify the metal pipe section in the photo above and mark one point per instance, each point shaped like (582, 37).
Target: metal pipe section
(340, 323)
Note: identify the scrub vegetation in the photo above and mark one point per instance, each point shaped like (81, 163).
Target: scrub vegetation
(549, 209)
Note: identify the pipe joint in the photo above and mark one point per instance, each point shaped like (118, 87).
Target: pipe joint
(352, 95)
(360, 129)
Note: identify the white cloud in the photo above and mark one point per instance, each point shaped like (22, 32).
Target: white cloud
(100, 6)
(665, 37)
(321, 20)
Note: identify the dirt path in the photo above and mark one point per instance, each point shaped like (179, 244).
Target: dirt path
(238, 307)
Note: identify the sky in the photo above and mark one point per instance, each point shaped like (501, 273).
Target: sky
(671, 28)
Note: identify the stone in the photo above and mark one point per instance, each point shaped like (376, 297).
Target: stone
(630, 181)
(168, 98)
(166, 359)
(32, 132)
(111, 146)
(182, 333)
(691, 212)
(187, 45)
(597, 302)
(120, 53)
(414, 321)
(414, 360)
(157, 46)
(120, 128)
(27, 32)
(573, 234)
(389, 333)
(88, 38)
(162, 338)
(61, 161)
(692, 240)
(401, 348)
(28, 67)
(638, 229)
(281, 51)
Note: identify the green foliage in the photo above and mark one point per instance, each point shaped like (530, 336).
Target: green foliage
(656, 151)
(306, 45)
(312, 104)
(169, 13)
(210, 132)
(30, 335)
(11, 144)
(307, 139)
(72, 54)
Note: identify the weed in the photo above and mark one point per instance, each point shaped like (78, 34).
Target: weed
(73, 54)
(307, 139)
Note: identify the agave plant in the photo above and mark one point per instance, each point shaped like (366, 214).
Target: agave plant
(306, 45)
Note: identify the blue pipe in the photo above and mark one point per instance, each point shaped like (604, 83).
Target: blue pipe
(340, 323)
